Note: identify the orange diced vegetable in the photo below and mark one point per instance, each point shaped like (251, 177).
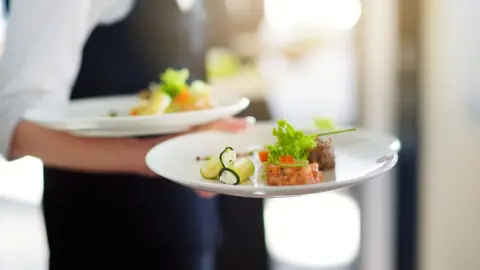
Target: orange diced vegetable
(287, 159)
(263, 156)
(183, 96)
(134, 111)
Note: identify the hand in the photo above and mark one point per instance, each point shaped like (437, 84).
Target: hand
(227, 125)
(205, 194)
(110, 155)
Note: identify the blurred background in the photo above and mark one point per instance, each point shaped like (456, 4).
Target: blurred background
(404, 67)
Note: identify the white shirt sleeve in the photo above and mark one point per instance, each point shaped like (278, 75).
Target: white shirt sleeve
(42, 56)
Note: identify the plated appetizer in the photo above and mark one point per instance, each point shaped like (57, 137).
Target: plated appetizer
(294, 159)
(173, 94)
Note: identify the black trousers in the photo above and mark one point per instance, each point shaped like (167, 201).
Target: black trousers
(204, 260)
(127, 222)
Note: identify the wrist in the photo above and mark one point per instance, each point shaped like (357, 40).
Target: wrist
(135, 156)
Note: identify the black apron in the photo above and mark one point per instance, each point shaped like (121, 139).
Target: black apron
(118, 220)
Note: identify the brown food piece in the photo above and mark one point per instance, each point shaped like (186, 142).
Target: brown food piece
(323, 154)
(290, 176)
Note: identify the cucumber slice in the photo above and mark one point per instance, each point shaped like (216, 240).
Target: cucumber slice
(229, 177)
(211, 169)
(228, 157)
(241, 170)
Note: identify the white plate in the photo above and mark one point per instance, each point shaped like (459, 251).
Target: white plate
(360, 155)
(89, 116)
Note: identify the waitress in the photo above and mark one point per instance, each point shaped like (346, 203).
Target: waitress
(101, 209)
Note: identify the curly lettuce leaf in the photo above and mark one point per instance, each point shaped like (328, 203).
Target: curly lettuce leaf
(174, 81)
(290, 142)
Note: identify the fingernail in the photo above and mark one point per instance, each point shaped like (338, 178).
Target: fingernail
(250, 120)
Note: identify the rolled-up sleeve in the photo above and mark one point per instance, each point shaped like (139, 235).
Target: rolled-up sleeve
(41, 59)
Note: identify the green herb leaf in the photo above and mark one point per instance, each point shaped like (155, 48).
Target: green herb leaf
(290, 142)
(173, 81)
(324, 123)
(338, 131)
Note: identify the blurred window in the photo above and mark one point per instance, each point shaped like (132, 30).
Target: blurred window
(313, 231)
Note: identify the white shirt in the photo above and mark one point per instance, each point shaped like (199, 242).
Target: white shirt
(43, 51)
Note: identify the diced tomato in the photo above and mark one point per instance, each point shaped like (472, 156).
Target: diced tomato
(134, 111)
(263, 156)
(183, 96)
(287, 159)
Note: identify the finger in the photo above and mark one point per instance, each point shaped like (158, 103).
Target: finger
(205, 194)
(229, 124)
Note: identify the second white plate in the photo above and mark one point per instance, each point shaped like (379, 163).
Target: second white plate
(89, 117)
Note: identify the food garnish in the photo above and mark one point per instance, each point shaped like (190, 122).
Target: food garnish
(173, 94)
(227, 168)
(228, 157)
(211, 169)
(263, 156)
(335, 132)
(291, 144)
(238, 173)
(174, 81)
(324, 123)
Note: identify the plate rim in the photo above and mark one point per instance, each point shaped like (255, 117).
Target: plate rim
(240, 103)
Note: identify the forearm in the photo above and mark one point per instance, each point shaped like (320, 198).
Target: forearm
(62, 150)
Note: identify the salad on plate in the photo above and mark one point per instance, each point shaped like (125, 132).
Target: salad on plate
(173, 94)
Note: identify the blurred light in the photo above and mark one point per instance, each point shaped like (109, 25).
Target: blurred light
(3, 28)
(313, 231)
(185, 5)
(474, 105)
(221, 63)
(308, 14)
(238, 10)
(22, 180)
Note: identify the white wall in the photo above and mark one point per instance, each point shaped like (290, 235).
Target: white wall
(23, 243)
(450, 181)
